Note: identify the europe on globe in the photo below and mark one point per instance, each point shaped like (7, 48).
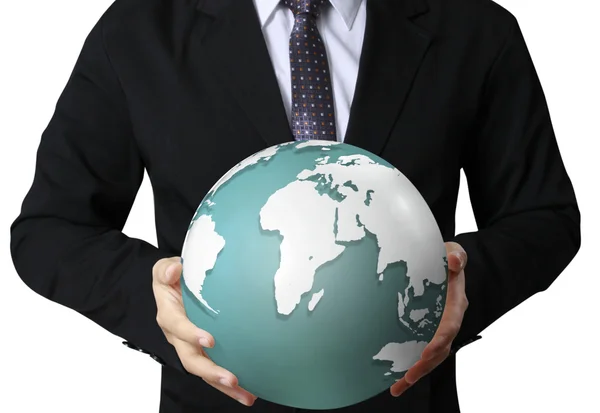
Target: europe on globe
(320, 271)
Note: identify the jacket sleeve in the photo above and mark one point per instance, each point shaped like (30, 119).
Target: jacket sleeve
(67, 243)
(523, 200)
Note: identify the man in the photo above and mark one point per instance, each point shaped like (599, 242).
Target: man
(185, 89)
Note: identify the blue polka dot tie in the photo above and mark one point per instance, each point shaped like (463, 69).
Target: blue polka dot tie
(313, 115)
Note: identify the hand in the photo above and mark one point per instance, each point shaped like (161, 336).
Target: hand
(456, 305)
(188, 339)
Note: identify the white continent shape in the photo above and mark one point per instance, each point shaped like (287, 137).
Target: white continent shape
(204, 241)
(377, 199)
(402, 355)
(310, 241)
(204, 238)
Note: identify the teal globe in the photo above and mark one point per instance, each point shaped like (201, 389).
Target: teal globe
(320, 271)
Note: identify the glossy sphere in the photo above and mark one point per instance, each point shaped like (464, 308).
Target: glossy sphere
(320, 271)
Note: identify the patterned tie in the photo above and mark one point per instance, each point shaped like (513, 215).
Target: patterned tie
(313, 114)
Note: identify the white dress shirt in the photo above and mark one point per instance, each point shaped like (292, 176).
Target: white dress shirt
(342, 27)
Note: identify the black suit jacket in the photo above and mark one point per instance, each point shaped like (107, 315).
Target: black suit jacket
(162, 85)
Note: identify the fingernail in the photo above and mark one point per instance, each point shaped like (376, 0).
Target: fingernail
(204, 342)
(169, 273)
(241, 399)
(460, 257)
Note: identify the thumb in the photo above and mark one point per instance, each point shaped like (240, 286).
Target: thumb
(167, 271)
(172, 273)
(457, 257)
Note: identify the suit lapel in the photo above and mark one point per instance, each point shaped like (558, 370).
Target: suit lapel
(234, 47)
(393, 49)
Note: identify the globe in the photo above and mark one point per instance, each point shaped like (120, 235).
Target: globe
(320, 271)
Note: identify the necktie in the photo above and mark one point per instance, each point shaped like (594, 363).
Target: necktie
(313, 114)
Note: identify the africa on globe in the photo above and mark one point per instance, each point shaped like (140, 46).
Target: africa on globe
(320, 271)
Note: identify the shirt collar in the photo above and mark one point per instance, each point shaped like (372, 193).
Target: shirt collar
(347, 10)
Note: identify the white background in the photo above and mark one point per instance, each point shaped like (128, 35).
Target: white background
(541, 357)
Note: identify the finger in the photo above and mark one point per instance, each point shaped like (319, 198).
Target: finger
(424, 367)
(218, 377)
(242, 396)
(456, 304)
(436, 347)
(445, 334)
(399, 387)
(414, 374)
(457, 291)
(197, 364)
(172, 273)
(173, 320)
(457, 257)
(455, 307)
(167, 271)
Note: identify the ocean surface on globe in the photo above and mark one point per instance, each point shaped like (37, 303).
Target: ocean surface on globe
(320, 271)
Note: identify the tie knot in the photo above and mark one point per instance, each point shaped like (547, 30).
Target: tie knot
(311, 7)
